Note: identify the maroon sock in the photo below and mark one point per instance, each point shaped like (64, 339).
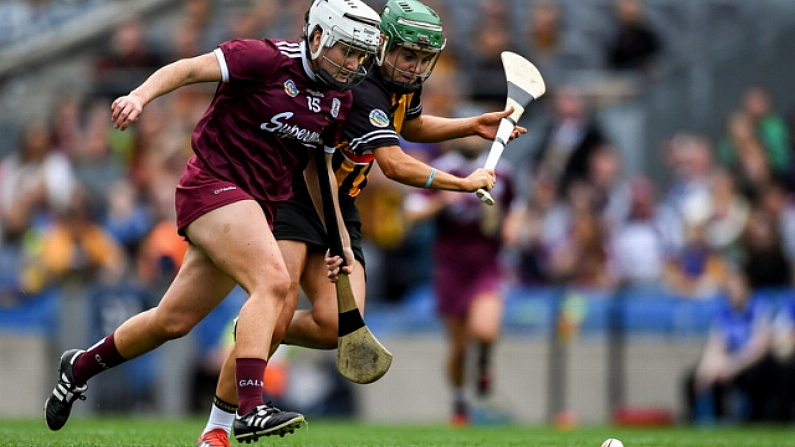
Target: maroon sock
(96, 359)
(249, 374)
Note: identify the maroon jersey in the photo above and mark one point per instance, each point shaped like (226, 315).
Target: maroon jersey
(267, 117)
(459, 227)
(468, 240)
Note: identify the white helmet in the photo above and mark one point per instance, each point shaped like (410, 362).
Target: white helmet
(351, 22)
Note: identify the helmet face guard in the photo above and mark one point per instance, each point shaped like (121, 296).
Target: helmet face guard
(421, 65)
(414, 40)
(350, 26)
(339, 70)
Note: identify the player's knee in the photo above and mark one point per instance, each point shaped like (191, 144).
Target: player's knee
(486, 335)
(279, 285)
(327, 333)
(273, 288)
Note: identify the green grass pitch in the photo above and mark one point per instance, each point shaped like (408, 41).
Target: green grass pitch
(134, 432)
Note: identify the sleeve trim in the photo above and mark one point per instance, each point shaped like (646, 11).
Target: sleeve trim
(222, 62)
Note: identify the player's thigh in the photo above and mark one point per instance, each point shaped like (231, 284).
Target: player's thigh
(485, 315)
(196, 290)
(236, 237)
(322, 294)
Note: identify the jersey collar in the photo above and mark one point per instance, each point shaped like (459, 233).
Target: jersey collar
(307, 67)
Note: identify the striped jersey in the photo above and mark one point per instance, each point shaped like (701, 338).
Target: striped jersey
(375, 121)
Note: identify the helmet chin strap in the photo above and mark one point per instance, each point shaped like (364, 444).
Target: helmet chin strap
(329, 80)
(317, 73)
(324, 76)
(396, 86)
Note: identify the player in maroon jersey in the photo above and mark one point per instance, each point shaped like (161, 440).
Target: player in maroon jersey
(467, 277)
(386, 103)
(277, 103)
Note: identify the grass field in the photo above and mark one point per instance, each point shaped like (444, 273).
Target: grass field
(181, 432)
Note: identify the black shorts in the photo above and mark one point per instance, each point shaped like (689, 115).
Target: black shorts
(297, 220)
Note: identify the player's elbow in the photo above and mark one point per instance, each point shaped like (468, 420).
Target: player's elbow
(390, 170)
(396, 170)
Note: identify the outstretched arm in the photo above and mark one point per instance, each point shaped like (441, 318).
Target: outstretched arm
(433, 129)
(204, 68)
(403, 168)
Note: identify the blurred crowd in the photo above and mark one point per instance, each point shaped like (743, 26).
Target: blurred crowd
(82, 201)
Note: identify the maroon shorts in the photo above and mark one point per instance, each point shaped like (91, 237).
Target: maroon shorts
(199, 191)
(456, 286)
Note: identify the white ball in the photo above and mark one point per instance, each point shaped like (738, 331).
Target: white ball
(612, 443)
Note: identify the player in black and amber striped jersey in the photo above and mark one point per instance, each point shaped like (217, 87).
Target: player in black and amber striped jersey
(386, 104)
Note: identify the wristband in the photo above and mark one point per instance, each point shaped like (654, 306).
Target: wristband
(430, 178)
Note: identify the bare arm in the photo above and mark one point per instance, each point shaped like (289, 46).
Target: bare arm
(403, 168)
(204, 68)
(433, 129)
(752, 353)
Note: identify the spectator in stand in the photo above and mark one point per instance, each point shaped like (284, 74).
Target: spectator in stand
(779, 204)
(764, 260)
(127, 61)
(66, 126)
(769, 126)
(579, 255)
(736, 365)
(525, 229)
(34, 180)
(96, 163)
(743, 153)
(696, 270)
(790, 124)
(198, 29)
(783, 351)
(727, 213)
(641, 244)
(545, 39)
(690, 164)
(635, 44)
(128, 218)
(764, 126)
(162, 249)
(611, 191)
(490, 37)
(74, 246)
(570, 139)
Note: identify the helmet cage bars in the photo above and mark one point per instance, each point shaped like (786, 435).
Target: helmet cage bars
(352, 77)
(415, 78)
(410, 26)
(350, 23)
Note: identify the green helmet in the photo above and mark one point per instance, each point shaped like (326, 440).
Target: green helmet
(409, 25)
(413, 24)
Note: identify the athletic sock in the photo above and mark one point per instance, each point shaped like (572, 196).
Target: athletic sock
(484, 357)
(249, 374)
(222, 415)
(484, 370)
(459, 400)
(103, 355)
